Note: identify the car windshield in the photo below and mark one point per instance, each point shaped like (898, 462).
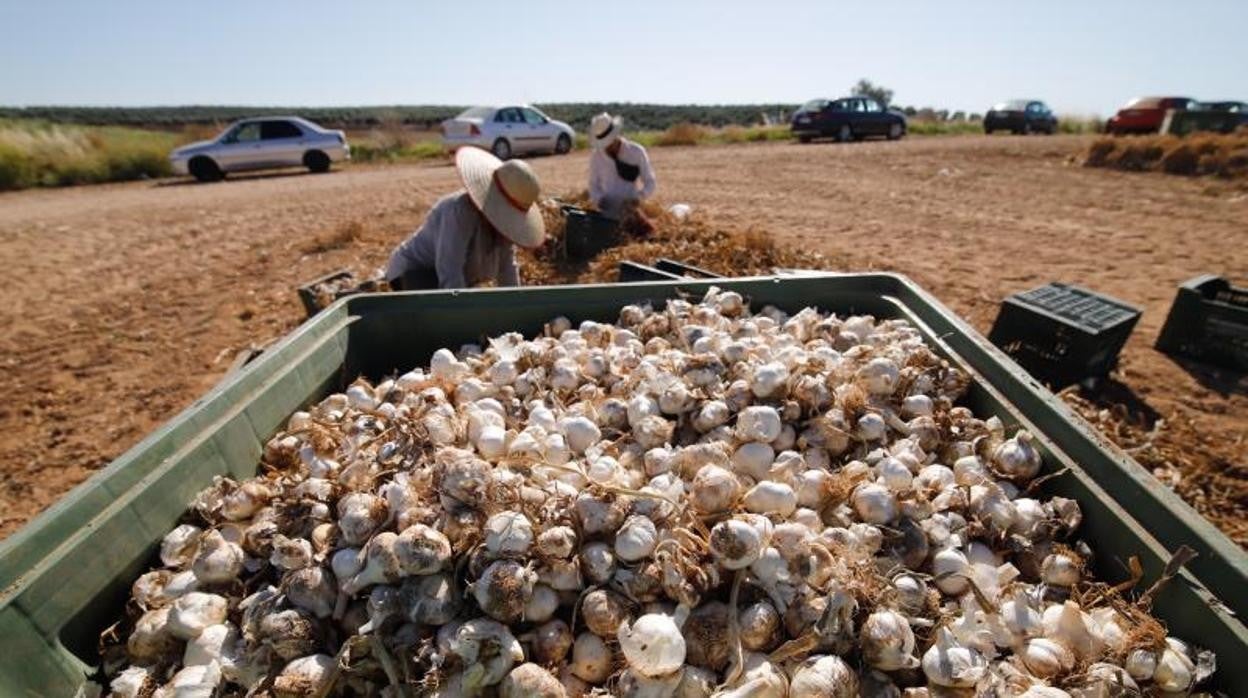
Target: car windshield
(814, 105)
(1144, 103)
(476, 113)
(1012, 105)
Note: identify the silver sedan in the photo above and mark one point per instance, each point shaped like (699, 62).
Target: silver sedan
(258, 144)
(507, 131)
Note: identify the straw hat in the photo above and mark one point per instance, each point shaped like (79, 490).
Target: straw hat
(604, 129)
(504, 192)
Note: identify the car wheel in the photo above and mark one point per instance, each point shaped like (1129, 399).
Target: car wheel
(204, 169)
(316, 161)
(563, 144)
(895, 131)
(845, 134)
(987, 131)
(501, 149)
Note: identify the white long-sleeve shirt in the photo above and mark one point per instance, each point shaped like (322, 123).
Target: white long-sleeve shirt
(456, 242)
(608, 190)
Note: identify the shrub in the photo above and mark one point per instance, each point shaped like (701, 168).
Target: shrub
(1221, 154)
(682, 134)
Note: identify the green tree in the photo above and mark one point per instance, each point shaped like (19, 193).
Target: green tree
(866, 88)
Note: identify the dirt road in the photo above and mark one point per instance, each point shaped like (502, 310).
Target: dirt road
(123, 303)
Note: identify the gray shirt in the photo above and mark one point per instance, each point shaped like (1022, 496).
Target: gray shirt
(457, 243)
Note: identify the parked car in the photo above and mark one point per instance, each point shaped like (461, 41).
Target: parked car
(1021, 116)
(507, 131)
(846, 119)
(259, 144)
(1145, 114)
(1238, 108)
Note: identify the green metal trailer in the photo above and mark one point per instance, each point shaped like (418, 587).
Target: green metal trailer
(66, 575)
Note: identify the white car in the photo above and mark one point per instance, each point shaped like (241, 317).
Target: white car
(258, 144)
(507, 131)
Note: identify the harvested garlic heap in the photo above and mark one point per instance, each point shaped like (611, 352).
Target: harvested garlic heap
(694, 501)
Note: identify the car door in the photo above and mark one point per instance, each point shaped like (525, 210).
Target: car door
(240, 147)
(538, 132)
(281, 144)
(508, 122)
(873, 120)
(834, 116)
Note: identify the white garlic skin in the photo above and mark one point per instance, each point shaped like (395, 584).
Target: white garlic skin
(874, 503)
(950, 567)
(770, 497)
(1175, 672)
(824, 677)
(530, 681)
(887, 641)
(735, 543)
(1045, 658)
(218, 560)
(303, 676)
(192, 613)
(592, 660)
(636, 539)
(653, 645)
(178, 546)
(508, 533)
(947, 663)
(759, 423)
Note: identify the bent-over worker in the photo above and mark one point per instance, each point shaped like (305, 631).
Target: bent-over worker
(469, 237)
(620, 175)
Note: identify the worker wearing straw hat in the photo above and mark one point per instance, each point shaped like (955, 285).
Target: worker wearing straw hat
(470, 236)
(620, 175)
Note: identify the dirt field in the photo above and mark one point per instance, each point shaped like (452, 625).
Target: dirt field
(122, 303)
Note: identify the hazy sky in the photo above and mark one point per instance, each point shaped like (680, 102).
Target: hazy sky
(1083, 57)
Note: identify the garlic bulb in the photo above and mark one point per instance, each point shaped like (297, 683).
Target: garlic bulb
(152, 639)
(178, 547)
(758, 423)
(760, 626)
(290, 553)
(653, 645)
(753, 460)
(530, 681)
(888, 641)
(199, 681)
(551, 642)
(769, 497)
(714, 489)
(636, 539)
(874, 503)
(503, 590)
(1017, 458)
(1070, 626)
(508, 533)
(245, 501)
(769, 379)
(946, 663)
(215, 644)
(1141, 664)
(604, 612)
(303, 676)
(135, 682)
(192, 613)
(218, 560)
(1175, 670)
(1060, 569)
(950, 568)
(1045, 658)
(312, 589)
(736, 543)
(591, 658)
(359, 515)
(824, 677)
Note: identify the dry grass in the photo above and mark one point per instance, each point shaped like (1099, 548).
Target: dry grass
(696, 240)
(1215, 154)
(682, 134)
(1177, 453)
(35, 154)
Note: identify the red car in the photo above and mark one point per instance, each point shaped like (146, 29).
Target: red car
(1145, 114)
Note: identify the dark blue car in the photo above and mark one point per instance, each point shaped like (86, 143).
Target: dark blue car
(1021, 116)
(846, 119)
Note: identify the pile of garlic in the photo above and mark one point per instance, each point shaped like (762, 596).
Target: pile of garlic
(694, 501)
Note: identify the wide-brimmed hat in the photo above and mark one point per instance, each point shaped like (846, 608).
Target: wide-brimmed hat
(603, 129)
(505, 193)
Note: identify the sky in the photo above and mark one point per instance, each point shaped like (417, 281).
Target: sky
(1081, 57)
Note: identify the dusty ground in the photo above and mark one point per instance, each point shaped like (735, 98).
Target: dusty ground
(122, 303)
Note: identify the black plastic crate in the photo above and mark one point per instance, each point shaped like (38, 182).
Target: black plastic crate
(1208, 322)
(636, 271)
(1064, 334)
(313, 303)
(681, 269)
(586, 233)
